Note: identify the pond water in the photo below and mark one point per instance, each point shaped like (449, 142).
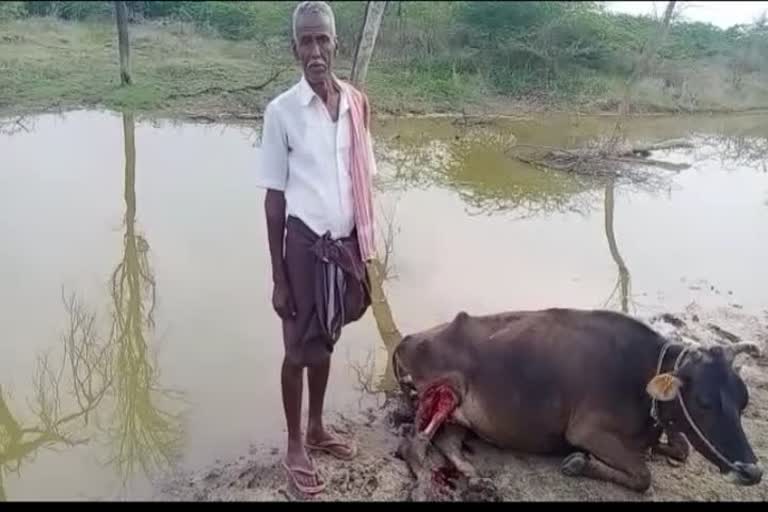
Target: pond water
(136, 331)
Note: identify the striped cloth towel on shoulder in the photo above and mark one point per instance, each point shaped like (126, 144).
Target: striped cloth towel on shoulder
(361, 169)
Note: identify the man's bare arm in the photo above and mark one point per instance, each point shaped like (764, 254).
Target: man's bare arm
(274, 206)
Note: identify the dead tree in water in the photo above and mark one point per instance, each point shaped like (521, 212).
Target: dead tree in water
(378, 270)
(374, 12)
(646, 58)
(613, 156)
(121, 14)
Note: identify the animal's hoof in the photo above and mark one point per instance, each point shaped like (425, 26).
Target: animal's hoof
(481, 489)
(423, 492)
(574, 464)
(407, 452)
(675, 463)
(402, 449)
(446, 477)
(402, 415)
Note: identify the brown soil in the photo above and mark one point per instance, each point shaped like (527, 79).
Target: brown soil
(378, 475)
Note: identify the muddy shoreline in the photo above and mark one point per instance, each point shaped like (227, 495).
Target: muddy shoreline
(227, 117)
(379, 475)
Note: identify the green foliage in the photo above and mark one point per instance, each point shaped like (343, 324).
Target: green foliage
(86, 10)
(242, 20)
(349, 16)
(494, 21)
(70, 10)
(554, 48)
(11, 10)
(41, 8)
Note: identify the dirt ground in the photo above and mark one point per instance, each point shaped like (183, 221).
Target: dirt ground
(378, 475)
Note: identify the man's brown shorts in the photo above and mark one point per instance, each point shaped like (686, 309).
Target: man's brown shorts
(307, 342)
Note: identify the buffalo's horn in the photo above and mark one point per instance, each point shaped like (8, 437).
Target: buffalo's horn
(731, 351)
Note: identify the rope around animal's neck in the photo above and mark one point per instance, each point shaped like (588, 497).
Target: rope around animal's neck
(686, 414)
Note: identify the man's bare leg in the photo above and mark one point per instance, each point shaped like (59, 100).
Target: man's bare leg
(317, 377)
(316, 434)
(296, 456)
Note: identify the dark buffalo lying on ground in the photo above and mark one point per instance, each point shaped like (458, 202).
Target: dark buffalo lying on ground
(597, 387)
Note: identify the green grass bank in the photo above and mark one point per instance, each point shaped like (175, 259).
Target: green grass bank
(211, 59)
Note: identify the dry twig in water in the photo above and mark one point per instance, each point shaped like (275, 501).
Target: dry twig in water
(611, 157)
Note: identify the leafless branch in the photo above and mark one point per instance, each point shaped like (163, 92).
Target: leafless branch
(13, 126)
(220, 90)
(59, 423)
(388, 231)
(608, 156)
(647, 57)
(365, 376)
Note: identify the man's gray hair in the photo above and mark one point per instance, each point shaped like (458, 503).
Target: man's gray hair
(320, 8)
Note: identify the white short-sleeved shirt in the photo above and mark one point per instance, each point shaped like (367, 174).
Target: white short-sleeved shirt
(306, 155)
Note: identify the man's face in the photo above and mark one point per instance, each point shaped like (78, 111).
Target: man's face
(315, 47)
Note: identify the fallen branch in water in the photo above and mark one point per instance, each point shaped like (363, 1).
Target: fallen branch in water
(659, 146)
(610, 157)
(670, 166)
(13, 126)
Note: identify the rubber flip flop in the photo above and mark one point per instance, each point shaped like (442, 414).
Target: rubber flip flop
(328, 447)
(307, 489)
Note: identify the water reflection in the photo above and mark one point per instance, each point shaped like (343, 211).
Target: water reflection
(624, 281)
(102, 387)
(66, 395)
(741, 149)
(377, 376)
(144, 433)
(707, 205)
(474, 164)
(13, 125)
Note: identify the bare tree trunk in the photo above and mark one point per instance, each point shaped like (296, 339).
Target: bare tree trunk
(374, 12)
(121, 13)
(390, 334)
(385, 322)
(646, 58)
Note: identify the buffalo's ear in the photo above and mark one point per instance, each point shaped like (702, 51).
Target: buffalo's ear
(664, 387)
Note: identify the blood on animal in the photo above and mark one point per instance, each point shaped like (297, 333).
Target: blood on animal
(435, 405)
(446, 476)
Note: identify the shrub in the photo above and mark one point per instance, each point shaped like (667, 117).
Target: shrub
(70, 10)
(11, 10)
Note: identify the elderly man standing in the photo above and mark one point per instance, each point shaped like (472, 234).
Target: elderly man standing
(317, 164)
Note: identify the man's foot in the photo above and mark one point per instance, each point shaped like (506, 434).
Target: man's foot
(321, 440)
(302, 472)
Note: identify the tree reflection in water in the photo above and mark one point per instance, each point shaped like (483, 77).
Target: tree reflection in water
(624, 280)
(68, 393)
(474, 164)
(143, 433)
(100, 377)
